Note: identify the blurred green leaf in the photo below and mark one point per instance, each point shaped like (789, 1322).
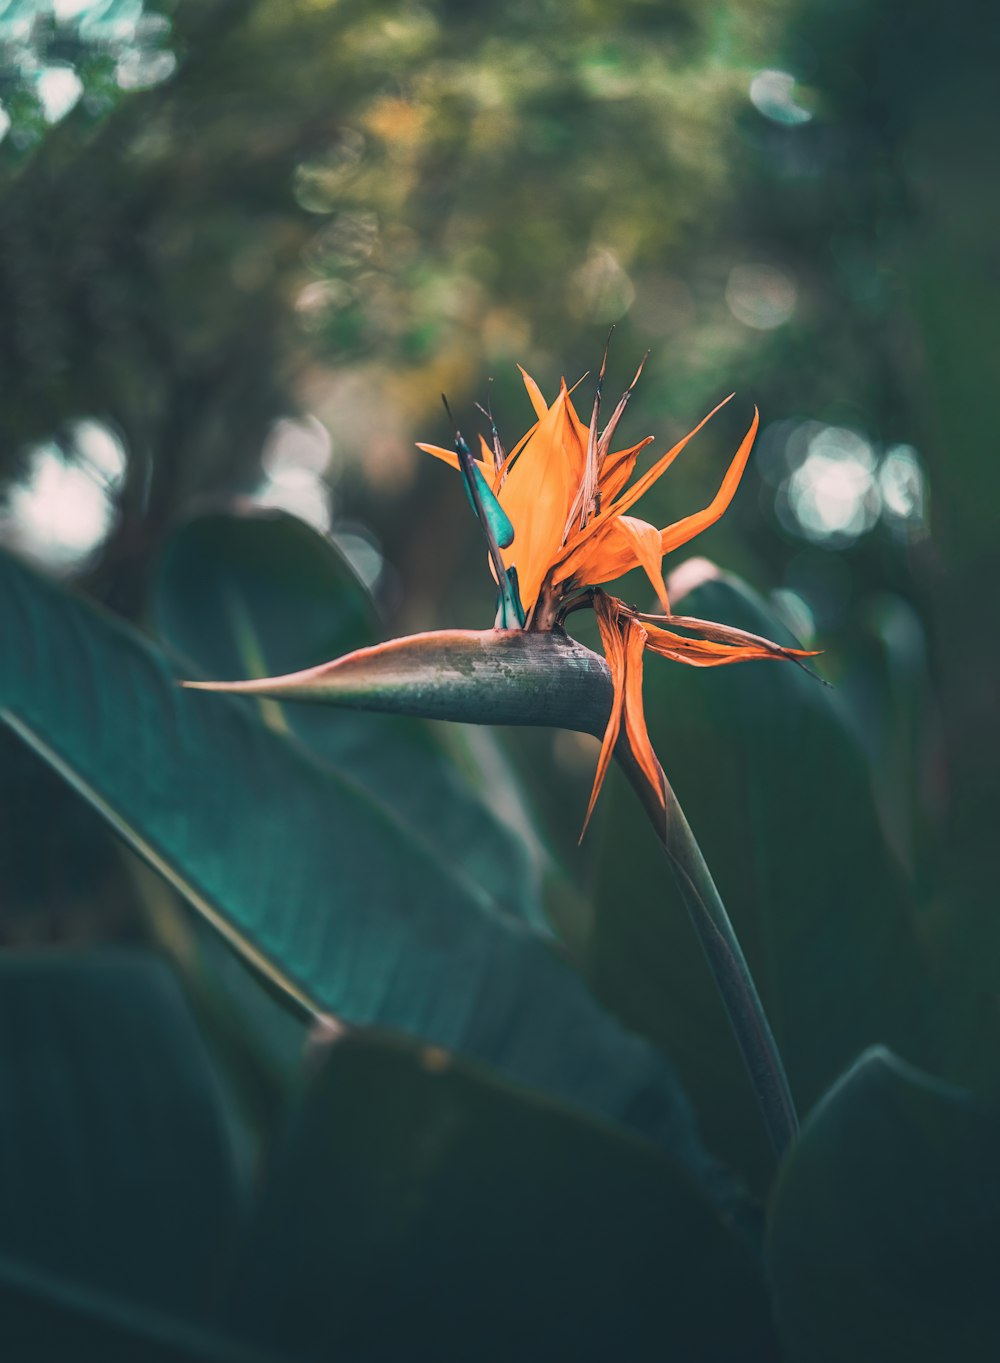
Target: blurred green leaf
(778, 793)
(257, 595)
(118, 1171)
(315, 882)
(411, 1200)
(49, 1319)
(884, 1235)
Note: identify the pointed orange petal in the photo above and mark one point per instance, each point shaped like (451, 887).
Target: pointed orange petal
(681, 531)
(629, 498)
(635, 720)
(624, 544)
(645, 539)
(450, 457)
(714, 653)
(601, 558)
(534, 394)
(611, 639)
(729, 634)
(608, 434)
(652, 475)
(618, 468)
(697, 652)
(581, 430)
(500, 475)
(537, 494)
(574, 437)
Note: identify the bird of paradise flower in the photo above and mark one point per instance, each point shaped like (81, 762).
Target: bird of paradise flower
(554, 514)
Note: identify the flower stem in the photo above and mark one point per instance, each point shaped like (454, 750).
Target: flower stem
(723, 952)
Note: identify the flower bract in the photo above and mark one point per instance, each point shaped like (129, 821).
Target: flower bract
(563, 498)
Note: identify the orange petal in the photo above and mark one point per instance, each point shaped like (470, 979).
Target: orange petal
(450, 457)
(645, 539)
(537, 494)
(629, 498)
(501, 474)
(534, 394)
(635, 720)
(618, 468)
(601, 558)
(729, 634)
(607, 435)
(581, 430)
(611, 639)
(625, 543)
(681, 531)
(712, 652)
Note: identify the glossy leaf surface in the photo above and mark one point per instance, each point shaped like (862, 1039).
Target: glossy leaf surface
(884, 1231)
(314, 882)
(49, 1319)
(118, 1170)
(415, 1209)
(258, 594)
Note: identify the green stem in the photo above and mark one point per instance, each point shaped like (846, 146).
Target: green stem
(724, 954)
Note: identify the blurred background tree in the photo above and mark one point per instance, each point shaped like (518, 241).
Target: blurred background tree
(245, 244)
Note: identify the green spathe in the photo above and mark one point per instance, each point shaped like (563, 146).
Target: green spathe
(472, 676)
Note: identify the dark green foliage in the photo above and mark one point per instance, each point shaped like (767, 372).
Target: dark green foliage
(119, 1175)
(340, 208)
(884, 1225)
(410, 1201)
(50, 1319)
(118, 1168)
(316, 882)
(390, 1215)
(263, 594)
(778, 793)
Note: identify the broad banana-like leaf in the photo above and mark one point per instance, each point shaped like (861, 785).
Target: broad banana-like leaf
(247, 593)
(49, 1319)
(414, 1208)
(884, 1224)
(309, 878)
(119, 1171)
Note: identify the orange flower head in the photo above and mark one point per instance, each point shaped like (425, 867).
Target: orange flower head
(555, 514)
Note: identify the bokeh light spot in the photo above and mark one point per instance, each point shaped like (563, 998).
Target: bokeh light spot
(901, 485)
(772, 94)
(601, 290)
(362, 551)
(59, 513)
(65, 10)
(142, 69)
(98, 448)
(760, 296)
(294, 459)
(832, 486)
(58, 88)
(833, 495)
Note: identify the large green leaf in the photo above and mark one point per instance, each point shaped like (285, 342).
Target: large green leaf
(117, 1165)
(778, 793)
(257, 594)
(415, 1209)
(309, 876)
(884, 1231)
(49, 1319)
